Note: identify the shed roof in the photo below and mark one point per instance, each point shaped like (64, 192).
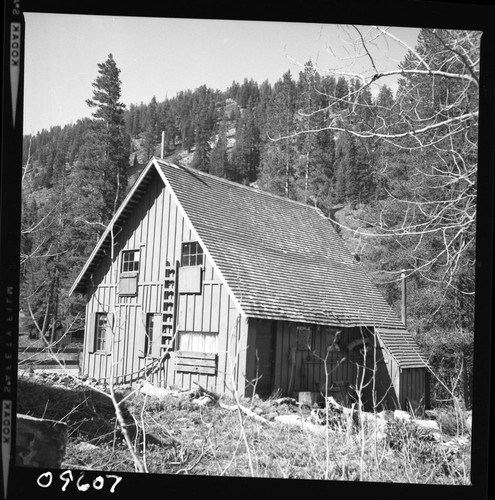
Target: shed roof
(280, 259)
(402, 346)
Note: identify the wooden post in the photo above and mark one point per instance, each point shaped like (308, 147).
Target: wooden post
(404, 298)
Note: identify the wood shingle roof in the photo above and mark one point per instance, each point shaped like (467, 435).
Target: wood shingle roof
(282, 259)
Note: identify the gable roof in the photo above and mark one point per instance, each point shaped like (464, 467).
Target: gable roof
(280, 259)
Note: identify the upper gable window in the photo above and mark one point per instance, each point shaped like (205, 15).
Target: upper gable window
(129, 271)
(192, 254)
(130, 261)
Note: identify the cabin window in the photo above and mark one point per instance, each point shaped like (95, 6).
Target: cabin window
(150, 320)
(153, 334)
(333, 338)
(129, 268)
(101, 332)
(304, 338)
(192, 254)
(130, 261)
(198, 342)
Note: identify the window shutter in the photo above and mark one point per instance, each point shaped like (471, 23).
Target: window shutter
(190, 279)
(141, 336)
(156, 345)
(91, 332)
(128, 285)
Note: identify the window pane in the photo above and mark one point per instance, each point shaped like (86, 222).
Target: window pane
(101, 330)
(130, 261)
(192, 254)
(149, 333)
(198, 342)
(198, 256)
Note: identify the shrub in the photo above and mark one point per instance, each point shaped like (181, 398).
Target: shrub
(451, 356)
(418, 450)
(451, 422)
(407, 436)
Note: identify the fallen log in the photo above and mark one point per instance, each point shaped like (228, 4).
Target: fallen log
(158, 392)
(298, 421)
(216, 398)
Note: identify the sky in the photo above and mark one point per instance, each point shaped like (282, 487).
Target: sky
(162, 56)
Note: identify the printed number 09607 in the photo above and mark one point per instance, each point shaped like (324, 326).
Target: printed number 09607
(45, 480)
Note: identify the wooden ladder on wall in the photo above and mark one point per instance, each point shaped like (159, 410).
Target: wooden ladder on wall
(169, 307)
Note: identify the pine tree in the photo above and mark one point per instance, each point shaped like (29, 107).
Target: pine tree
(110, 127)
(246, 152)
(166, 124)
(277, 168)
(306, 104)
(202, 152)
(340, 100)
(219, 159)
(151, 133)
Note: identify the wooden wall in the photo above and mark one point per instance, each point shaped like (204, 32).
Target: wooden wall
(157, 228)
(341, 372)
(412, 390)
(301, 370)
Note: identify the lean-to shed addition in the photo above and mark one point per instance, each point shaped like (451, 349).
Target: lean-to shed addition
(199, 279)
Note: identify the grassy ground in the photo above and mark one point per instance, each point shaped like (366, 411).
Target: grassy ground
(183, 436)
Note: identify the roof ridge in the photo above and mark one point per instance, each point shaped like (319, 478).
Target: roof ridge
(236, 184)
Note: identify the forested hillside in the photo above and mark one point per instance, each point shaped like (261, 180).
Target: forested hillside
(396, 173)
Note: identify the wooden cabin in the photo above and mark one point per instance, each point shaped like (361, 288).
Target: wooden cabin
(201, 280)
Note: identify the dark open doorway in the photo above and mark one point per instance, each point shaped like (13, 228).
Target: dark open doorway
(265, 357)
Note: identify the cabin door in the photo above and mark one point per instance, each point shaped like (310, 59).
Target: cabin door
(265, 357)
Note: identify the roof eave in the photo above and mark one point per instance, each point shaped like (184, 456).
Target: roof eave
(79, 285)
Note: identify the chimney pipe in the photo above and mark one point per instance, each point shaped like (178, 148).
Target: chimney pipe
(403, 297)
(163, 144)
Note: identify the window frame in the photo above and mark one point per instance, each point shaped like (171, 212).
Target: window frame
(150, 327)
(304, 338)
(192, 258)
(100, 332)
(134, 262)
(128, 277)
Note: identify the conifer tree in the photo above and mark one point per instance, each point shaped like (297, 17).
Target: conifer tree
(151, 133)
(166, 124)
(111, 131)
(246, 153)
(277, 169)
(219, 159)
(202, 153)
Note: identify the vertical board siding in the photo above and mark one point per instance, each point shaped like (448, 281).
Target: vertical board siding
(223, 329)
(412, 389)
(308, 372)
(157, 229)
(215, 308)
(206, 324)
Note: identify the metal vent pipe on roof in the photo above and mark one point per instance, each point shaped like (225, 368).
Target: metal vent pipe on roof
(403, 297)
(162, 150)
